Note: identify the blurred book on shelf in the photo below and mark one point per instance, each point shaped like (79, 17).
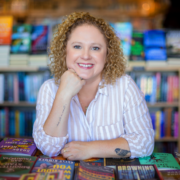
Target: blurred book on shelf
(39, 39)
(158, 87)
(6, 23)
(16, 123)
(21, 39)
(137, 46)
(39, 60)
(123, 31)
(18, 60)
(155, 45)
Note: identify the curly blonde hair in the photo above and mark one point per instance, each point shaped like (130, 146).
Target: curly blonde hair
(115, 63)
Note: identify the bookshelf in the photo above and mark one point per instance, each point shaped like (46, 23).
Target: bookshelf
(25, 104)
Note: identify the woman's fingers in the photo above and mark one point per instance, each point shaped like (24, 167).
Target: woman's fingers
(73, 71)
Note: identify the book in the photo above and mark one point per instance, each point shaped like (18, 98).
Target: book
(39, 39)
(138, 172)
(77, 164)
(172, 43)
(121, 161)
(15, 166)
(137, 46)
(43, 176)
(163, 161)
(44, 165)
(170, 174)
(91, 172)
(21, 39)
(6, 23)
(123, 31)
(155, 45)
(17, 146)
(9, 178)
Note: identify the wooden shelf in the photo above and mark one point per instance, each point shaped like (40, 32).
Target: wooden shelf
(167, 139)
(25, 68)
(20, 104)
(154, 69)
(27, 104)
(163, 104)
(128, 69)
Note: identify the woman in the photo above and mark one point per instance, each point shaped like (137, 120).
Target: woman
(90, 108)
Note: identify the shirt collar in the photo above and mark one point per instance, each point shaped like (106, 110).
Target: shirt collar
(103, 90)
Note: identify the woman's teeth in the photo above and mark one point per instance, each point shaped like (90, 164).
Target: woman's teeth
(84, 65)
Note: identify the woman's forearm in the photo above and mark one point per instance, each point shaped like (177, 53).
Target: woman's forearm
(57, 122)
(114, 148)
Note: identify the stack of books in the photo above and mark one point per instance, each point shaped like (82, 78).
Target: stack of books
(5, 39)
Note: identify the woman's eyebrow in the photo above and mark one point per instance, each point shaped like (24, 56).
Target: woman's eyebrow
(90, 43)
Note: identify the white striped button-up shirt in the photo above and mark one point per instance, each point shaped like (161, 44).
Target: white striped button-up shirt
(117, 110)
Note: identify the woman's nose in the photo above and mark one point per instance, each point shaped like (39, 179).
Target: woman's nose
(86, 54)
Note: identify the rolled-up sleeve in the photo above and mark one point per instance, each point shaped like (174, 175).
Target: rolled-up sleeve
(48, 145)
(138, 128)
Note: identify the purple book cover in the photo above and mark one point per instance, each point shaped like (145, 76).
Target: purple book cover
(17, 146)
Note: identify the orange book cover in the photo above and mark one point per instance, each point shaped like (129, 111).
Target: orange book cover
(6, 23)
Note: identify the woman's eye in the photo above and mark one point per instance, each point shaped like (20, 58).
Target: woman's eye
(77, 47)
(95, 48)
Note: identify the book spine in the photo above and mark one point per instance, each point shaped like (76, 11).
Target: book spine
(16, 89)
(158, 115)
(158, 78)
(6, 121)
(17, 123)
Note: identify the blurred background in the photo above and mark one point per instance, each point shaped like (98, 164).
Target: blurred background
(150, 37)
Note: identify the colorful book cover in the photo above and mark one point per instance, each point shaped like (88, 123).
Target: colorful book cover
(43, 176)
(138, 172)
(137, 46)
(170, 174)
(172, 42)
(44, 165)
(21, 39)
(15, 166)
(88, 171)
(77, 164)
(17, 146)
(123, 31)
(39, 39)
(6, 23)
(163, 161)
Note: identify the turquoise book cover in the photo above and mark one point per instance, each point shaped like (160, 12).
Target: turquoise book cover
(163, 161)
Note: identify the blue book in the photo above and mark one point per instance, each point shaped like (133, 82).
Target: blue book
(155, 38)
(155, 53)
(162, 125)
(154, 90)
(153, 118)
(11, 123)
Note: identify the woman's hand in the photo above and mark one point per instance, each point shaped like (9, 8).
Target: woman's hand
(77, 150)
(70, 83)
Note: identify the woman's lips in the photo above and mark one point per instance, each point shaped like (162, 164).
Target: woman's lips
(85, 66)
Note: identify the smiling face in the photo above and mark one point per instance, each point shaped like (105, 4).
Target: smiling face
(86, 52)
